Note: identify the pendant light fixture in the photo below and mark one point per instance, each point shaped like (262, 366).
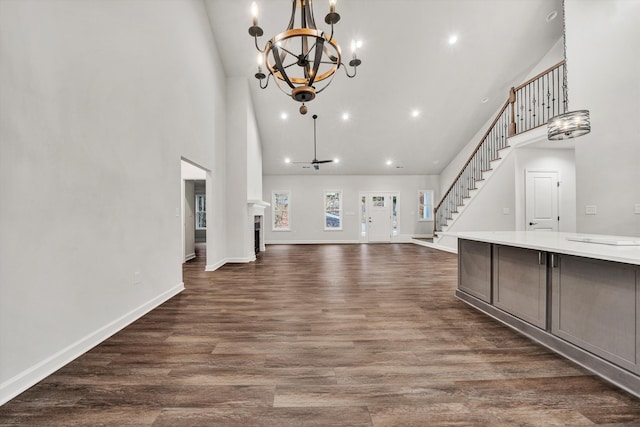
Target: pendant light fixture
(570, 124)
(302, 60)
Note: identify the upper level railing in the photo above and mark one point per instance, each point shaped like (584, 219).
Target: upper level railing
(530, 105)
(538, 99)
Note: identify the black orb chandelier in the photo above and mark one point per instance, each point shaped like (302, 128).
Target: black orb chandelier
(302, 60)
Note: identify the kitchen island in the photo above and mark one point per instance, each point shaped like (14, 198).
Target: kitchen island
(576, 294)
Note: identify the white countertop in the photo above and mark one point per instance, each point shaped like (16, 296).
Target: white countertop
(628, 252)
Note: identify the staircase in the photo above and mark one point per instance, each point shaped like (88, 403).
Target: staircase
(528, 107)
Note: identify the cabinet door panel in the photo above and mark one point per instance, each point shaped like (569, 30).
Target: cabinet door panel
(595, 306)
(520, 283)
(474, 268)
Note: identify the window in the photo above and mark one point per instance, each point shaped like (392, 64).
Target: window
(379, 201)
(425, 205)
(201, 212)
(333, 210)
(280, 210)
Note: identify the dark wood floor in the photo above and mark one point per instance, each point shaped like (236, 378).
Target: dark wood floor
(336, 335)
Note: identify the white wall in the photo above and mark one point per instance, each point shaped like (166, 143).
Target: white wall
(603, 39)
(307, 203)
(450, 172)
(254, 157)
(506, 189)
(244, 171)
(562, 161)
(486, 212)
(90, 88)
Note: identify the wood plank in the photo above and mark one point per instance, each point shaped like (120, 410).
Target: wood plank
(358, 335)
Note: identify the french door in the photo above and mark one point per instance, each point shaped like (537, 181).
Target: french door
(378, 217)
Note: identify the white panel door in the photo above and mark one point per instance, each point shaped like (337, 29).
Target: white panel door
(380, 226)
(541, 204)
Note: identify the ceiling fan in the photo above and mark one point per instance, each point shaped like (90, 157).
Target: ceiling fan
(315, 162)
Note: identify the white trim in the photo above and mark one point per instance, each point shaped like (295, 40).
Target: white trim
(189, 257)
(31, 376)
(241, 260)
(527, 171)
(215, 266)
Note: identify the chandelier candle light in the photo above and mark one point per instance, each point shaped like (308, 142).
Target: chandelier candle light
(301, 58)
(570, 124)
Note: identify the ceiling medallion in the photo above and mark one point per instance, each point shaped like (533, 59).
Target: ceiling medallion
(303, 60)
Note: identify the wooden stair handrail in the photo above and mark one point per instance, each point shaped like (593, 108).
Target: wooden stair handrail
(533, 79)
(512, 131)
(504, 107)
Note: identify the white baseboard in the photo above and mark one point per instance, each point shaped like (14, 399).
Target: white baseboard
(189, 257)
(28, 378)
(241, 260)
(237, 260)
(313, 242)
(215, 266)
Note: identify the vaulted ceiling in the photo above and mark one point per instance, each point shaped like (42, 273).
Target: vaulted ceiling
(408, 64)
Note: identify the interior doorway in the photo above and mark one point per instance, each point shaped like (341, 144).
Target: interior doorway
(193, 208)
(541, 200)
(379, 216)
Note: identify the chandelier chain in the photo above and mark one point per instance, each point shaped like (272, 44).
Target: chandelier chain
(565, 70)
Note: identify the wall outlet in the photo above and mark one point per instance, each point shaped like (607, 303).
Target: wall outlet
(636, 208)
(590, 210)
(137, 279)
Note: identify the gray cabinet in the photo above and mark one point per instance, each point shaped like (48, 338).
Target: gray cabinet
(474, 268)
(520, 283)
(586, 309)
(596, 306)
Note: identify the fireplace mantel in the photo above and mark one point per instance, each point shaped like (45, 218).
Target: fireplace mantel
(258, 206)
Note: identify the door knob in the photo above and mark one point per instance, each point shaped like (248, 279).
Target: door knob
(533, 223)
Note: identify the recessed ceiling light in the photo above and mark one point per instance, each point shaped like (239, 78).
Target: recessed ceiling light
(389, 162)
(453, 39)
(345, 116)
(287, 160)
(284, 116)
(552, 15)
(336, 160)
(485, 100)
(415, 113)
